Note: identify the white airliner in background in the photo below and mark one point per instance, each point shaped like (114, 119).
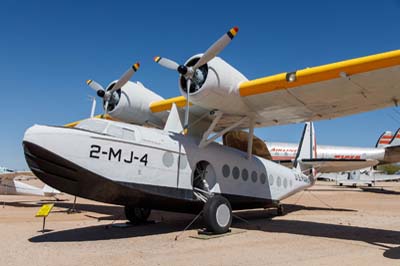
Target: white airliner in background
(387, 150)
(178, 166)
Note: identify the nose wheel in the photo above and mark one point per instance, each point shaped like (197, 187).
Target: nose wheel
(217, 214)
(137, 215)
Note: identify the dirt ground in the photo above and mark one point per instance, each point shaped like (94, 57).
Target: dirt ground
(326, 225)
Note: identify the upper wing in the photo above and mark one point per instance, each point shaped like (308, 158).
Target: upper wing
(322, 92)
(327, 91)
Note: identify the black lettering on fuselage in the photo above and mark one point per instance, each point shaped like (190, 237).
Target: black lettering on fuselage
(114, 154)
(95, 149)
(130, 159)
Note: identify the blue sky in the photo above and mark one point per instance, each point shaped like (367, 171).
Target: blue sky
(49, 48)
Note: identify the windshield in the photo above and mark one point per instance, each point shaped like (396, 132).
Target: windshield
(92, 125)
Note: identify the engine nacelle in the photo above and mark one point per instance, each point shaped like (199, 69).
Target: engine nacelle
(215, 86)
(131, 104)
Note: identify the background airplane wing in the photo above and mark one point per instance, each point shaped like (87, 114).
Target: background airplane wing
(327, 91)
(336, 165)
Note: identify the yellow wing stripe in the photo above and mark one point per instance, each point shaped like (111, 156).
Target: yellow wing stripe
(320, 73)
(73, 124)
(164, 105)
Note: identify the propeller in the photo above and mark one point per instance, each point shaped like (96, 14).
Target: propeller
(192, 74)
(107, 95)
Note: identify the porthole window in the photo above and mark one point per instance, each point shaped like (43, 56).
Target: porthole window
(245, 174)
(278, 181)
(226, 171)
(235, 172)
(263, 178)
(168, 159)
(271, 180)
(254, 176)
(290, 182)
(183, 162)
(285, 183)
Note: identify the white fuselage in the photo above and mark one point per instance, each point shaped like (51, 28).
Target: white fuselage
(152, 162)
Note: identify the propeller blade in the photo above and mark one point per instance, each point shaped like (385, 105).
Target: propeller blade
(186, 124)
(106, 107)
(94, 85)
(125, 78)
(165, 62)
(217, 47)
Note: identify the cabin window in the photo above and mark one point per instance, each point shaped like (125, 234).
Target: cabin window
(271, 180)
(226, 171)
(285, 183)
(263, 178)
(278, 181)
(235, 172)
(245, 174)
(254, 176)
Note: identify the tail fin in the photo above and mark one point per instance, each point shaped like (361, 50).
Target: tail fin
(396, 139)
(307, 146)
(384, 139)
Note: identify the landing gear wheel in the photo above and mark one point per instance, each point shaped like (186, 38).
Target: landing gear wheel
(280, 210)
(137, 215)
(217, 214)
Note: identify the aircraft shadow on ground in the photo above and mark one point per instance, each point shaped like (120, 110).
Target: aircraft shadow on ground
(380, 191)
(161, 225)
(166, 223)
(378, 237)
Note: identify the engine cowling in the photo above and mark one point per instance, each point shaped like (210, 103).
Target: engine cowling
(131, 104)
(215, 85)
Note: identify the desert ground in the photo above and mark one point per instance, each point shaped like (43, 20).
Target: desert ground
(325, 225)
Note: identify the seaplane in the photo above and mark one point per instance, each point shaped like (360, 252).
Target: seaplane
(163, 153)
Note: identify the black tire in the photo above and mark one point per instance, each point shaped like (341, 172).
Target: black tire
(137, 215)
(217, 215)
(280, 210)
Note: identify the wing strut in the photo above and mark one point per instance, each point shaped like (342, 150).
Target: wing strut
(250, 139)
(205, 140)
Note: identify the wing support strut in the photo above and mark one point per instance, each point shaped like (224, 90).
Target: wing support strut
(205, 140)
(250, 139)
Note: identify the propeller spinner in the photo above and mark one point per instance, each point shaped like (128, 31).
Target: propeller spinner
(109, 95)
(194, 75)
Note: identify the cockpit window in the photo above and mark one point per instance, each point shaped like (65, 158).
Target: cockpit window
(114, 131)
(93, 125)
(128, 134)
(120, 132)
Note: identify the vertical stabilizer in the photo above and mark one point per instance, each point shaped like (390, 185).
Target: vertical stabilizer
(307, 146)
(396, 139)
(384, 139)
(174, 123)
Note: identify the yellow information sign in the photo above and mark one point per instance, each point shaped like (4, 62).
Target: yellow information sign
(44, 210)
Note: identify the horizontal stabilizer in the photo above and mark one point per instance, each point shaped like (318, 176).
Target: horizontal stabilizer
(336, 165)
(392, 154)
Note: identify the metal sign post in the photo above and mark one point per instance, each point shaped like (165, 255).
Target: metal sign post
(44, 211)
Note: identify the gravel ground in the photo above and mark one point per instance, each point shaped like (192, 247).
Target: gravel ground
(325, 225)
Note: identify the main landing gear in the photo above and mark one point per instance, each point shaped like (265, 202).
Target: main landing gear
(217, 214)
(137, 215)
